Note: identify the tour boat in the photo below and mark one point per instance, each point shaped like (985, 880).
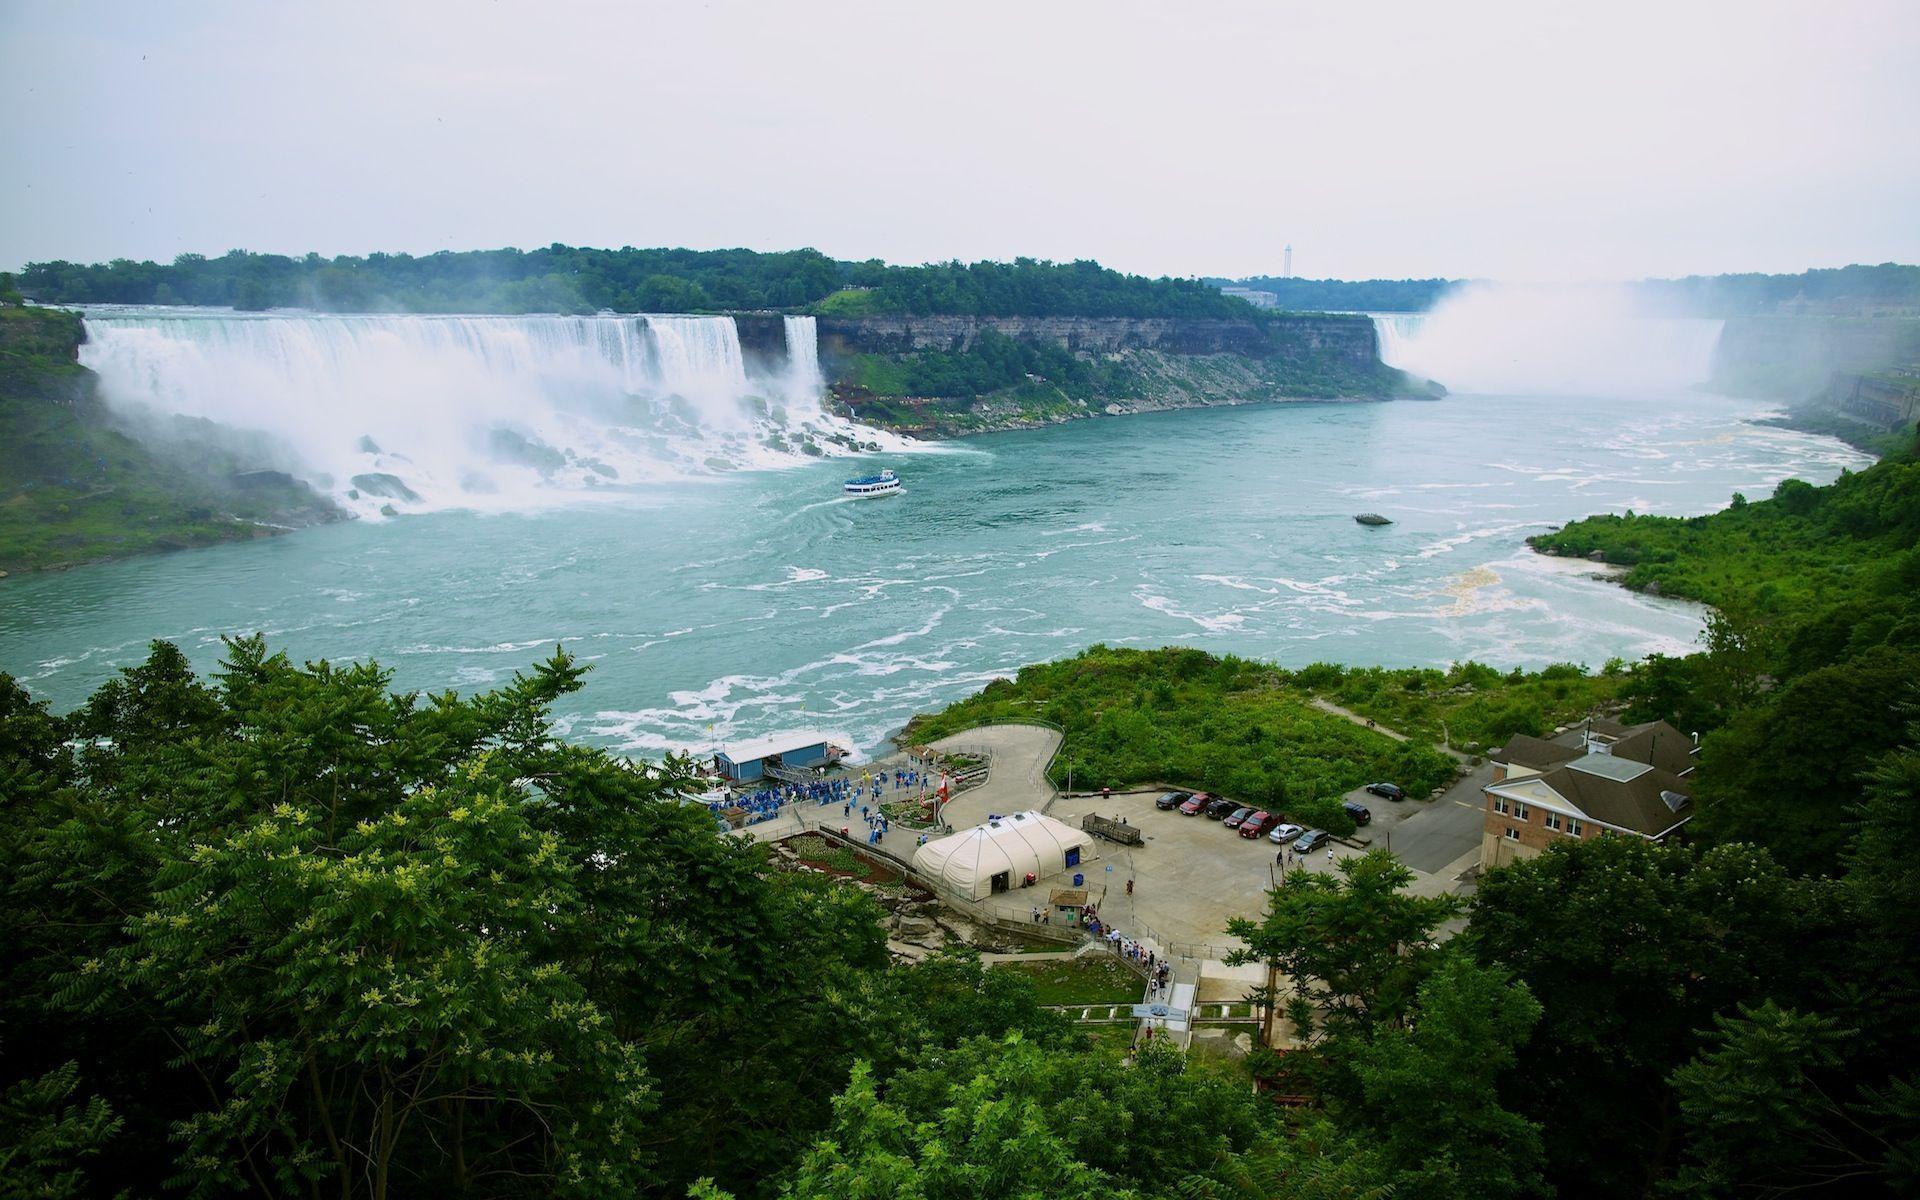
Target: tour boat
(886, 483)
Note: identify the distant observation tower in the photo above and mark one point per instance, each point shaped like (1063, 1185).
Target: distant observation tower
(1286, 264)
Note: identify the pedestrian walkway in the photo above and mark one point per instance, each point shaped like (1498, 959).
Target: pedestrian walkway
(1018, 781)
(1329, 706)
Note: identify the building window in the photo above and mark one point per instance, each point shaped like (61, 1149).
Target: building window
(1553, 820)
(1575, 828)
(1513, 835)
(1499, 805)
(1521, 811)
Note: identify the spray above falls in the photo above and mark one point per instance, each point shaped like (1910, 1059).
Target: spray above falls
(1507, 339)
(417, 412)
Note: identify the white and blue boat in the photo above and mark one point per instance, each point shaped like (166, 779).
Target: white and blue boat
(886, 483)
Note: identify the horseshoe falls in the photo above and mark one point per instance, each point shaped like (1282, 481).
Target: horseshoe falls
(1508, 340)
(414, 413)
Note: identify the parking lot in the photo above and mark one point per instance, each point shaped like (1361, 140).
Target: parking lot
(1190, 874)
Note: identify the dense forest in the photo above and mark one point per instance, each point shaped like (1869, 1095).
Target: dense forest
(579, 280)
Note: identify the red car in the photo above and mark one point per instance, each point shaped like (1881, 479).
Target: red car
(1196, 803)
(1250, 828)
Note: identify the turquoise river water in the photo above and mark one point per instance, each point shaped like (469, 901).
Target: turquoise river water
(763, 600)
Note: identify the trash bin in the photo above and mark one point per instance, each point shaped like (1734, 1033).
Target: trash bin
(1079, 880)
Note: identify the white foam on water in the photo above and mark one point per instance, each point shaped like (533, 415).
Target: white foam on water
(483, 412)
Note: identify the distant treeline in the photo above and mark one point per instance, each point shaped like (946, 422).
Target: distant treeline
(1842, 290)
(1346, 295)
(578, 280)
(1855, 290)
(572, 279)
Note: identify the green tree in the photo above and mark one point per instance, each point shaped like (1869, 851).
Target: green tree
(990, 1119)
(46, 1136)
(1631, 948)
(1354, 946)
(1769, 1113)
(1430, 1089)
(1787, 773)
(298, 929)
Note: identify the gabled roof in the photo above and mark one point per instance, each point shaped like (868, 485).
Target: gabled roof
(1635, 798)
(1658, 744)
(1538, 754)
(1607, 727)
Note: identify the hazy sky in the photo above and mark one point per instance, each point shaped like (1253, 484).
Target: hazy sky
(1528, 140)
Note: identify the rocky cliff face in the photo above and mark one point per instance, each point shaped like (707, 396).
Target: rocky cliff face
(879, 368)
(1794, 357)
(1344, 337)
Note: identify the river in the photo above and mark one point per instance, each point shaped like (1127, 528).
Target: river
(759, 600)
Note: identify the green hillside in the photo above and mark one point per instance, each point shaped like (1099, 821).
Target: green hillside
(76, 488)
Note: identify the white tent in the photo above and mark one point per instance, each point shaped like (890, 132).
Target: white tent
(1001, 854)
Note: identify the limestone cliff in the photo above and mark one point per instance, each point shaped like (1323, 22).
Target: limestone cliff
(1795, 357)
(947, 375)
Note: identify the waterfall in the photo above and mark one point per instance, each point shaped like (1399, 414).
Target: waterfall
(804, 380)
(1545, 340)
(415, 412)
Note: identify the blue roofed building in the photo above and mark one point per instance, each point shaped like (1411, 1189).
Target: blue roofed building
(758, 758)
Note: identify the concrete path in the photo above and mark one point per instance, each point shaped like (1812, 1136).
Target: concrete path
(1357, 719)
(1018, 780)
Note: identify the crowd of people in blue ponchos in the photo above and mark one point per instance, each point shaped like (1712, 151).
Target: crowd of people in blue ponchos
(764, 804)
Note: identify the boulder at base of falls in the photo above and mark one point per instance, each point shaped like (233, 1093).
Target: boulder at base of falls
(510, 447)
(377, 483)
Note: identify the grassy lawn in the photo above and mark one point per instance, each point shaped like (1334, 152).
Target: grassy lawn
(1080, 980)
(1117, 1037)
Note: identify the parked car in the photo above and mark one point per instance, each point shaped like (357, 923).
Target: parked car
(1387, 791)
(1221, 809)
(1285, 832)
(1236, 816)
(1169, 800)
(1360, 813)
(1194, 803)
(1254, 824)
(1310, 841)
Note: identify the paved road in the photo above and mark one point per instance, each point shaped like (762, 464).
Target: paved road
(1431, 835)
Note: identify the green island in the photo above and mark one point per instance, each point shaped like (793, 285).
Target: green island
(288, 931)
(78, 485)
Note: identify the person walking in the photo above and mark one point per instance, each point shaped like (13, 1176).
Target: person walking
(1329, 855)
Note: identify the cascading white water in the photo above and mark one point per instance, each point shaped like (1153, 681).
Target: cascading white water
(804, 380)
(1572, 340)
(422, 412)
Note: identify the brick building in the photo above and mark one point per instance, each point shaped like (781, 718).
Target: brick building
(1604, 778)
